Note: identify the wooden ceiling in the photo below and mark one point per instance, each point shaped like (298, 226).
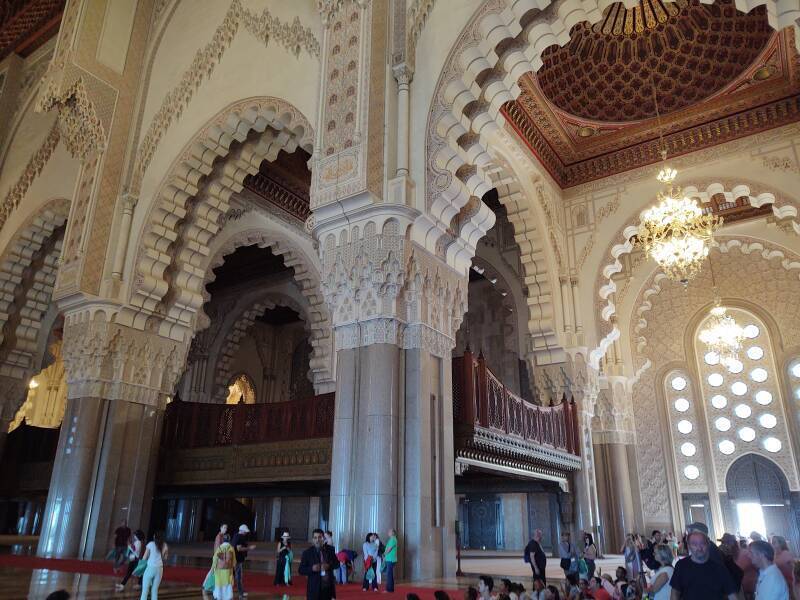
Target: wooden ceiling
(27, 24)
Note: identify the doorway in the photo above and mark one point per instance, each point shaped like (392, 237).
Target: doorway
(759, 499)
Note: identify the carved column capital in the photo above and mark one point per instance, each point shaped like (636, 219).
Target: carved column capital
(104, 359)
(129, 202)
(382, 288)
(403, 74)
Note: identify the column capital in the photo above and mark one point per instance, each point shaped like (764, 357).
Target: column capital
(403, 73)
(382, 288)
(129, 201)
(104, 359)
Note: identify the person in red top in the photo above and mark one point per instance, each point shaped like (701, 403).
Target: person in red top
(744, 560)
(784, 559)
(597, 590)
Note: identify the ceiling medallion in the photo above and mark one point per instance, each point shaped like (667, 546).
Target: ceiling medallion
(676, 233)
(723, 335)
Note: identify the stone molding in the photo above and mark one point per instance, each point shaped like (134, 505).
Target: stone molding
(104, 359)
(80, 125)
(32, 170)
(264, 27)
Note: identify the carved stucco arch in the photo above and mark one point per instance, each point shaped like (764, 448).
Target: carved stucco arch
(501, 42)
(306, 270)
(784, 211)
(27, 277)
(222, 360)
(192, 199)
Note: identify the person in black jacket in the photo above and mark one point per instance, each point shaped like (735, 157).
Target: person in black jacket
(535, 556)
(317, 564)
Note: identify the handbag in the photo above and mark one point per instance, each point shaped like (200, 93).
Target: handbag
(141, 566)
(209, 582)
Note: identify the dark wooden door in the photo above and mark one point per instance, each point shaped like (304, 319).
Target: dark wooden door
(482, 515)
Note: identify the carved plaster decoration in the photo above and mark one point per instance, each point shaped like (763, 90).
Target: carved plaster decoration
(382, 289)
(754, 271)
(467, 101)
(32, 170)
(27, 278)
(306, 276)
(418, 12)
(194, 195)
(328, 9)
(104, 359)
(780, 163)
(263, 26)
(13, 392)
(80, 125)
(783, 211)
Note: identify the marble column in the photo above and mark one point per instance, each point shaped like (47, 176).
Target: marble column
(118, 379)
(614, 493)
(104, 472)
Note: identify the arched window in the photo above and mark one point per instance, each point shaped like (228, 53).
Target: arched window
(743, 398)
(686, 432)
(241, 389)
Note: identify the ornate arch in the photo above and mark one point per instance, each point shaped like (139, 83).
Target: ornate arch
(191, 203)
(501, 42)
(307, 277)
(784, 211)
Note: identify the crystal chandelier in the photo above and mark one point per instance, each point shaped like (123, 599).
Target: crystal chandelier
(675, 233)
(723, 335)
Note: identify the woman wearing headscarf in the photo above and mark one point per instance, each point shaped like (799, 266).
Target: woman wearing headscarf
(223, 565)
(283, 563)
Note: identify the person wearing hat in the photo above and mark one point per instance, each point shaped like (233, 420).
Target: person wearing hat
(699, 577)
(241, 545)
(283, 562)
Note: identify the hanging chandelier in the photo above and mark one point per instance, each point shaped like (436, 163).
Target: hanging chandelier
(675, 233)
(723, 335)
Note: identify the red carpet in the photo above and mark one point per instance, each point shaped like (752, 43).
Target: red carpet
(254, 581)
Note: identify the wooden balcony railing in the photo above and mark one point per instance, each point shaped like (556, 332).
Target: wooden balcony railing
(197, 425)
(480, 400)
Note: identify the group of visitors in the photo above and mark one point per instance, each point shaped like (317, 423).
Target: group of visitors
(663, 568)
(227, 563)
(377, 559)
(145, 562)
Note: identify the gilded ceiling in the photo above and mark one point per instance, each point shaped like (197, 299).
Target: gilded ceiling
(27, 24)
(718, 75)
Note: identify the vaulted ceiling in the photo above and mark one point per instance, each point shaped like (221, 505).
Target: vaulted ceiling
(714, 73)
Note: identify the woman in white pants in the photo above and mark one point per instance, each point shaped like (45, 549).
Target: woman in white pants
(155, 553)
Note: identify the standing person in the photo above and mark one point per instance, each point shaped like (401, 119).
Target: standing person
(633, 561)
(154, 553)
(536, 558)
(370, 549)
(122, 537)
(222, 536)
(729, 550)
(241, 546)
(283, 561)
(699, 578)
(771, 583)
(136, 551)
(659, 586)
(390, 556)
(648, 554)
(589, 553)
(316, 564)
(567, 554)
(223, 566)
(783, 558)
(329, 541)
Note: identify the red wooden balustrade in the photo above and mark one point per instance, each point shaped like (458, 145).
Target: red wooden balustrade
(481, 400)
(197, 425)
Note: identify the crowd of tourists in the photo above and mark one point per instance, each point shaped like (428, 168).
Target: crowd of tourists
(140, 559)
(662, 567)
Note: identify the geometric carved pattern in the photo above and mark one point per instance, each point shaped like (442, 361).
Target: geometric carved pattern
(690, 50)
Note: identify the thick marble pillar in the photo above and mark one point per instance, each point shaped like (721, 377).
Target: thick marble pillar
(118, 379)
(614, 483)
